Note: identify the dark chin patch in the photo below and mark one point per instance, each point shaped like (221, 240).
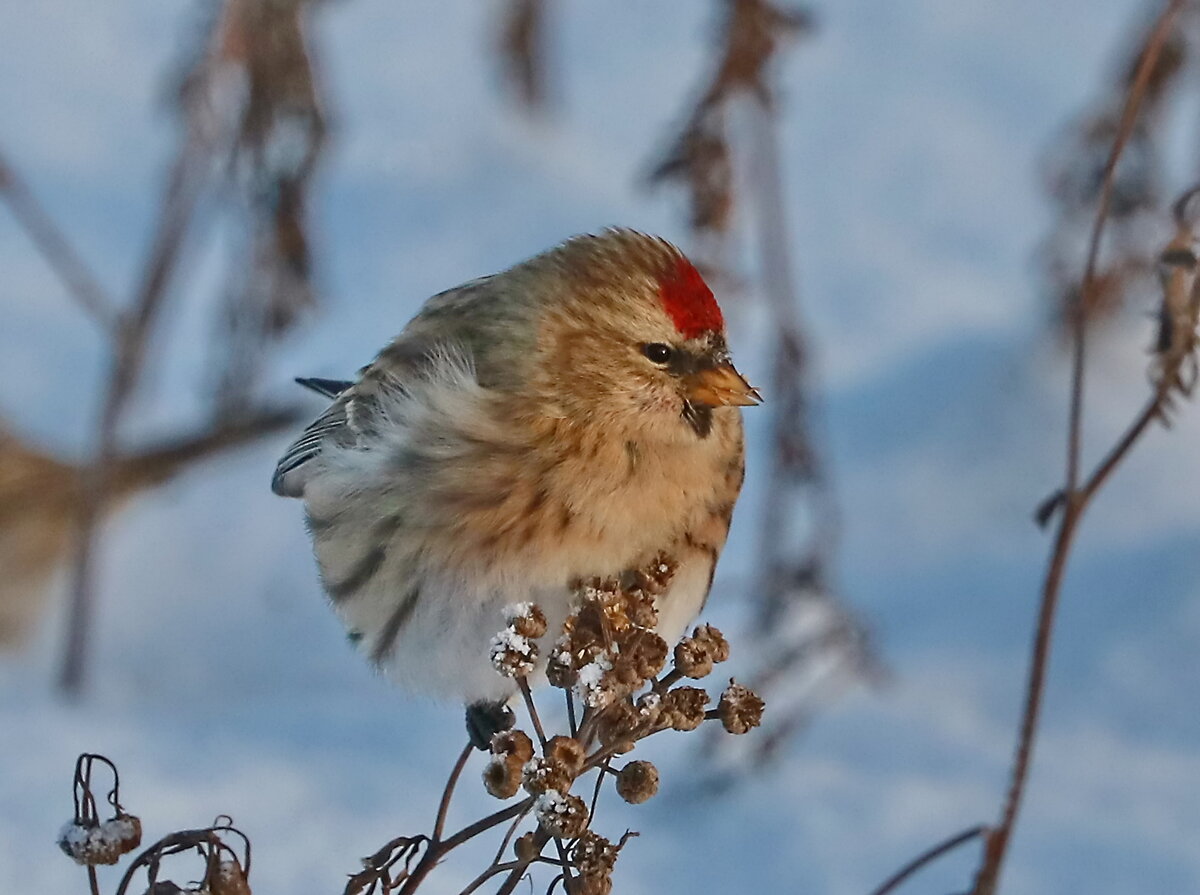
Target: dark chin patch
(699, 417)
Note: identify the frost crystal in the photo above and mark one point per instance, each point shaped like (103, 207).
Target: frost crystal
(592, 687)
(512, 654)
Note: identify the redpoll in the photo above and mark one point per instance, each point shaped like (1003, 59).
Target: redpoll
(571, 417)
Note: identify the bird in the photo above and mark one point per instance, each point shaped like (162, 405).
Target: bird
(571, 417)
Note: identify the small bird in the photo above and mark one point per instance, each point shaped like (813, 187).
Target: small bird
(573, 416)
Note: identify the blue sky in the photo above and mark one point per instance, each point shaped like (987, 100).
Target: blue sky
(222, 683)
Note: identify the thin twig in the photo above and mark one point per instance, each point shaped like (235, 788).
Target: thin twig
(532, 709)
(508, 837)
(79, 281)
(928, 857)
(1075, 500)
(487, 874)
(175, 216)
(444, 806)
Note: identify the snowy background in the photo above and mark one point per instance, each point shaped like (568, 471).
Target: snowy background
(222, 684)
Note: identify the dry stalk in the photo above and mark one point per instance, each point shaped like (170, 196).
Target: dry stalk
(90, 841)
(795, 578)
(1176, 351)
(81, 284)
(1076, 175)
(521, 46)
(248, 102)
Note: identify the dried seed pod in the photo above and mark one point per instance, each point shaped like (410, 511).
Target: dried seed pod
(502, 776)
(525, 848)
(539, 776)
(683, 707)
(596, 684)
(560, 670)
(616, 726)
(513, 742)
(646, 652)
(229, 879)
(594, 855)
(527, 619)
(566, 752)
(90, 843)
(565, 816)
(740, 708)
(513, 655)
(637, 782)
(696, 655)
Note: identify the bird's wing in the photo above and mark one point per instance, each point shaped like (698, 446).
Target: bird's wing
(289, 477)
(351, 418)
(450, 321)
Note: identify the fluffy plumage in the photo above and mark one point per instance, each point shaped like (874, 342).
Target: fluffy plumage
(569, 417)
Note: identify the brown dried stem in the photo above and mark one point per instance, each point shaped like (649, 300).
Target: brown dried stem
(928, 857)
(135, 326)
(1075, 499)
(58, 252)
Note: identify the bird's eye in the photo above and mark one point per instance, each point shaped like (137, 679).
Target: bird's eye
(658, 352)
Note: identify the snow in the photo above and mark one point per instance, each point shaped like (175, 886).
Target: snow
(220, 680)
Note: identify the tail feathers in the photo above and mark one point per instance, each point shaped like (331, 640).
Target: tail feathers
(330, 388)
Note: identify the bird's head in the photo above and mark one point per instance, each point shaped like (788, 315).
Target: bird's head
(631, 335)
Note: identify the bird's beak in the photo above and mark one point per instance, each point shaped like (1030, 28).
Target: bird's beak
(721, 386)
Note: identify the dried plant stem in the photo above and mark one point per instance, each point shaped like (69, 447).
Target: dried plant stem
(132, 334)
(93, 882)
(532, 709)
(540, 838)
(439, 849)
(494, 870)
(1075, 499)
(448, 793)
(79, 281)
(508, 836)
(928, 857)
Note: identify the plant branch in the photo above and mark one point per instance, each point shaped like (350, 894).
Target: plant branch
(444, 806)
(1075, 500)
(54, 247)
(928, 857)
(178, 204)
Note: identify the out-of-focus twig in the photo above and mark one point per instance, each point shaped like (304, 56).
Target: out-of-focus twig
(40, 496)
(248, 100)
(1075, 499)
(182, 191)
(810, 646)
(1076, 176)
(79, 281)
(521, 45)
(252, 89)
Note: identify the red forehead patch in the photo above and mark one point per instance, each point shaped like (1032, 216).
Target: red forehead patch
(688, 301)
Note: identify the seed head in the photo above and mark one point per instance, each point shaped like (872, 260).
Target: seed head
(228, 879)
(540, 776)
(90, 843)
(594, 857)
(740, 708)
(513, 742)
(502, 776)
(566, 752)
(527, 619)
(565, 816)
(637, 782)
(696, 655)
(513, 654)
(683, 707)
